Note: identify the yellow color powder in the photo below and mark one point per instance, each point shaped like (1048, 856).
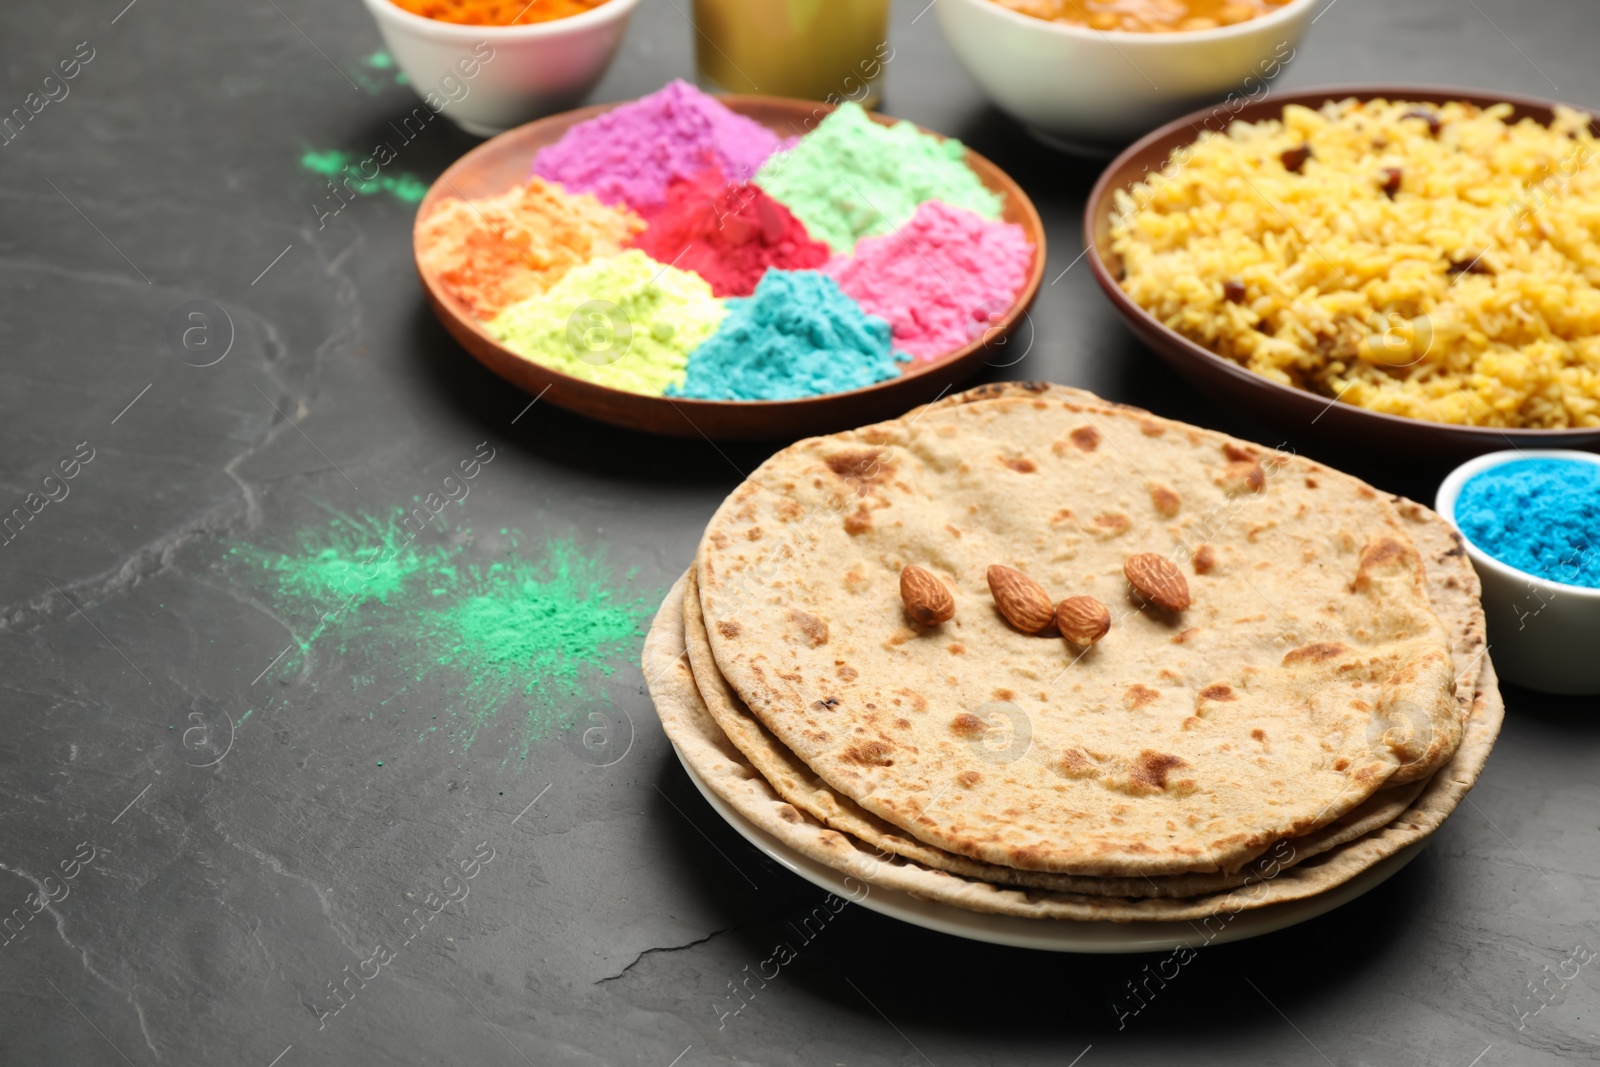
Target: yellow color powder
(627, 322)
(493, 252)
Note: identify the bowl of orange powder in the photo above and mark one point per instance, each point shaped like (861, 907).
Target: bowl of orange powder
(489, 65)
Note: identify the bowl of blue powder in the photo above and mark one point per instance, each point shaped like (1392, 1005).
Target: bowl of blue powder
(1531, 526)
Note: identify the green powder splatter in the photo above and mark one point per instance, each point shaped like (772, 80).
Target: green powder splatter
(336, 166)
(523, 629)
(852, 178)
(336, 569)
(514, 639)
(375, 83)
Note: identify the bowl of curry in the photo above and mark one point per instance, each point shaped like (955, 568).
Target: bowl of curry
(1090, 76)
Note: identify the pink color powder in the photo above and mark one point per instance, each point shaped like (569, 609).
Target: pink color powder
(630, 153)
(940, 280)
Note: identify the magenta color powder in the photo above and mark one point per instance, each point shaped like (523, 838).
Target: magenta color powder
(940, 280)
(630, 153)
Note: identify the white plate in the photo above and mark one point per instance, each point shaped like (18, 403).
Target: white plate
(1054, 935)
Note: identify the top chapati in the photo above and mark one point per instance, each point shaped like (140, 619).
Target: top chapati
(1309, 671)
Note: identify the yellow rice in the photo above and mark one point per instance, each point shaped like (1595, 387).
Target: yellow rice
(1472, 296)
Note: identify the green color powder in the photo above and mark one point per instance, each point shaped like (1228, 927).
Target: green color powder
(852, 178)
(336, 166)
(525, 632)
(336, 569)
(514, 639)
(626, 321)
(379, 61)
(550, 617)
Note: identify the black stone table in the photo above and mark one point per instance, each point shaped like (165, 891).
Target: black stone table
(205, 908)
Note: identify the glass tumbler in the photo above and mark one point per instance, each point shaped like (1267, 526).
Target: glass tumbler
(830, 50)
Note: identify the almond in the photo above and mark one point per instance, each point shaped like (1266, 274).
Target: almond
(1020, 599)
(1158, 580)
(1083, 620)
(926, 598)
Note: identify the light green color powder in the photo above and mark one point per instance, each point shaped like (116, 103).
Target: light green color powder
(625, 321)
(852, 178)
(514, 639)
(336, 166)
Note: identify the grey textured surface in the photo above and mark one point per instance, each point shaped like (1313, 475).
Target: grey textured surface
(617, 912)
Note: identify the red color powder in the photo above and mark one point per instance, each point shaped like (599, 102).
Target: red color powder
(728, 234)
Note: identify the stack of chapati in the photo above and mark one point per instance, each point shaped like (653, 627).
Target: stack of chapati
(1321, 699)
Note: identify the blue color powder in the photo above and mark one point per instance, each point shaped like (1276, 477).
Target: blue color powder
(797, 335)
(1541, 516)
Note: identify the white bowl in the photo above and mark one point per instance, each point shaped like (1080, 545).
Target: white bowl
(1545, 635)
(529, 71)
(1093, 91)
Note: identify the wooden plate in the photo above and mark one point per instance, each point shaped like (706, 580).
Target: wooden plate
(1286, 406)
(498, 164)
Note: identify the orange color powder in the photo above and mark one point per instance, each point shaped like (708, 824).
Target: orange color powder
(493, 252)
(497, 12)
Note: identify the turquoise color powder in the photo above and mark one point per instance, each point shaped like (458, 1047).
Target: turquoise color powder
(1541, 516)
(798, 335)
(515, 638)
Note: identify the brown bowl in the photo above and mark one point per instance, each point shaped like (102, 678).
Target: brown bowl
(1284, 405)
(498, 164)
